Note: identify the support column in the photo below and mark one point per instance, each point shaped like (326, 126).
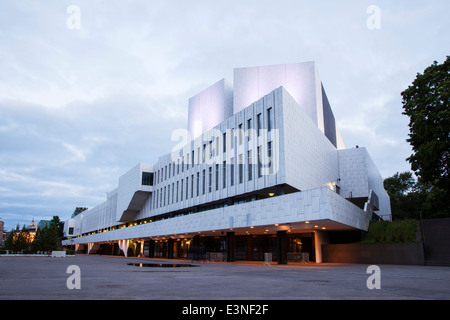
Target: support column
(170, 249)
(230, 244)
(282, 247)
(249, 252)
(320, 237)
(151, 249)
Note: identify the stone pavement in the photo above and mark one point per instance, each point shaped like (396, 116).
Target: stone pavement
(110, 277)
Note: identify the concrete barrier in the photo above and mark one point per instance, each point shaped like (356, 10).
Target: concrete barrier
(57, 254)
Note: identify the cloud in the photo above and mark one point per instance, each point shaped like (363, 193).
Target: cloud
(78, 108)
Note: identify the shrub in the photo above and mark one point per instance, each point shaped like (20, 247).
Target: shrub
(391, 231)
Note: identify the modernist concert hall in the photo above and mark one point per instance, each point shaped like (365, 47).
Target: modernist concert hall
(262, 168)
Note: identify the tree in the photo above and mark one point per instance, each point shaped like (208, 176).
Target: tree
(404, 195)
(78, 210)
(427, 103)
(46, 238)
(59, 226)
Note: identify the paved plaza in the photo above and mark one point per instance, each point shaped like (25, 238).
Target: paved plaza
(111, 277)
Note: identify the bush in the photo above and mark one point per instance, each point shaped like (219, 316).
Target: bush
(391, 231)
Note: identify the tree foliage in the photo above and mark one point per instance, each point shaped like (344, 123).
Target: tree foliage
(410, 198)
(427, 103)
(77, 211)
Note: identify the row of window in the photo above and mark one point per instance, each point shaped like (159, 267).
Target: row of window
(213, 146)
(182, 189)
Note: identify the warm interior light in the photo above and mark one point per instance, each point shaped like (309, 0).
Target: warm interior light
(323, 228)
(316, 226)
(306, 221)
(251, 227)
(271, 194)
(276, 224)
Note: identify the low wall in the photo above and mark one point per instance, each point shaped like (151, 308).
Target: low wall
(374, 253)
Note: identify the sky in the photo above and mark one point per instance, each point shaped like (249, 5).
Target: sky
(88, 89)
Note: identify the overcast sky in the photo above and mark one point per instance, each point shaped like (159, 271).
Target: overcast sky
(84, 100)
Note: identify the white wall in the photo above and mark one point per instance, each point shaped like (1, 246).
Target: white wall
(310, 158)
(316, 204)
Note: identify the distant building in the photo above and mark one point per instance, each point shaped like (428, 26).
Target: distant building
(264, 170)
(2, 232)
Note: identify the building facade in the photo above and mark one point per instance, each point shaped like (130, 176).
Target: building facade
(261, 169)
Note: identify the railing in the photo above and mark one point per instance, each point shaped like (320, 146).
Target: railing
(215, 257)
(298, 257)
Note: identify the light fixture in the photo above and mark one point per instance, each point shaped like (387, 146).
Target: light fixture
(251, 227)
(323, 228)
(271, 194)
(276, 224)
(306, 221)
(316, 226)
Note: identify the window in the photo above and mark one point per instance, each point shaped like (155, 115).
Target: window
(241, 169)
(204, 152)
(70, 230)
(249, 127)
(168, 194)
(210, 179)
(224, 142)
(259, 163)
(164, 203)
(187, 187)
(177, 189)
(250, 166)
(269, 119)
(173, 190)
(170, 164)
(192, 186)
(258, 124)
(165, 173)
(147, 178)
(210, 150)
(224, 174)
(240, 134)
(204, 182)
(181, 193)
(217, 177)
(198, 182)
(157, 198)
(269, 154)
(232, 172)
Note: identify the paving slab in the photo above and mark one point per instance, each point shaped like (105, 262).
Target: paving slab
(111, 277)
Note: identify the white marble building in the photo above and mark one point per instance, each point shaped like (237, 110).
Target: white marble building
(262, 168)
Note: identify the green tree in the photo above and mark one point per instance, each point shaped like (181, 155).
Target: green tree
(18, 240)
(78, 210)
(59, 226)
(427, 103)
(404, 195)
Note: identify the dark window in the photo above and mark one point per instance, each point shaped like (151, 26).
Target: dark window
(269, 119)
(147, 178)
